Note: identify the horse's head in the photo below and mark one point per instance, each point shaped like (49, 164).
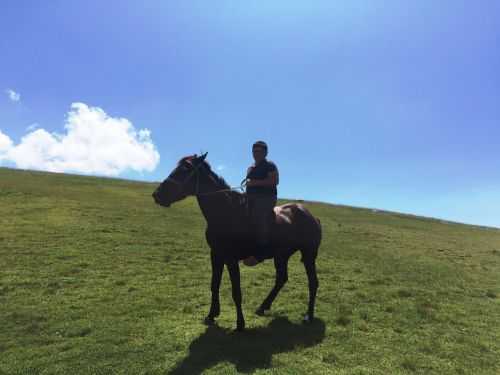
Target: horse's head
(183, 181)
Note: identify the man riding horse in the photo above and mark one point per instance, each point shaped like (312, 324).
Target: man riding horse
(294, 228)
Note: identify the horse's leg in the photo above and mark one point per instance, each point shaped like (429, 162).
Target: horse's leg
(217, 269)
(281, 266)
(310, 266)
(234, 273)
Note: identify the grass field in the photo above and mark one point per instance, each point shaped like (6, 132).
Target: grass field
(96, 279)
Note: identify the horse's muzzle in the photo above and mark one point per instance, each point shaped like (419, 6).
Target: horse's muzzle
(155, 197)
(158, 201)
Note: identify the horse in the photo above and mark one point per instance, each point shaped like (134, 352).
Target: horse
(231, 238)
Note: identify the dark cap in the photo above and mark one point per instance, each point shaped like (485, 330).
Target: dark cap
(261, 144)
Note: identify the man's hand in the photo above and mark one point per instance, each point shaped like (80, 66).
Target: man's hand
(270, 180)
(251, 182)
(255, 182)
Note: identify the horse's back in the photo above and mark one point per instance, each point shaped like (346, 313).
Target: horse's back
(294, 228)
(290, 213)
(295, 220)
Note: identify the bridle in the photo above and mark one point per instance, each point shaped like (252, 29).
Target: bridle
(197, 193)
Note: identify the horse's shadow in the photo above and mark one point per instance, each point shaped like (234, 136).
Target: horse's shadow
(250, 349)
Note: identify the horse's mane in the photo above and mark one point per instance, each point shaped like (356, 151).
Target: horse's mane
(188, 158)
(217, 178)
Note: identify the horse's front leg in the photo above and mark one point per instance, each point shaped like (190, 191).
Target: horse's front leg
(217, 269)
(234, 273)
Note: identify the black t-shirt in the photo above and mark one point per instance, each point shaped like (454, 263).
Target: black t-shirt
(260, 172)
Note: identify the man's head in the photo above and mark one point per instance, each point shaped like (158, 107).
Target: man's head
(259, 151)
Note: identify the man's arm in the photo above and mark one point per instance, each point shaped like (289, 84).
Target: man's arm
(272, 179)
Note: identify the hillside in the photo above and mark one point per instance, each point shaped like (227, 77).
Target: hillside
(95, 278)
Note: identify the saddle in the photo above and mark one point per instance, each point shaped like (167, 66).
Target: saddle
(282, 214)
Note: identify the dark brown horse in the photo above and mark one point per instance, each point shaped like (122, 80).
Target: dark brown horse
(231, 237)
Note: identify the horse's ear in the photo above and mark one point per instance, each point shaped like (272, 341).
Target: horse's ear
(202, 157)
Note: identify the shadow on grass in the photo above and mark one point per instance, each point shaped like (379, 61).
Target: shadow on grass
(251, 349)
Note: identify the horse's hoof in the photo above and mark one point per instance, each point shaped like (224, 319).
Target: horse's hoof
(307, 319)
(209, 321)
(260, 311)
(240, 327)
(239, 330)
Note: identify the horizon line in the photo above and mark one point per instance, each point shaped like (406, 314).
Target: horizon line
(300, 200)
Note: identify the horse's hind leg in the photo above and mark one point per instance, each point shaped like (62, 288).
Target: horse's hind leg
(310, 266)
(281, 265)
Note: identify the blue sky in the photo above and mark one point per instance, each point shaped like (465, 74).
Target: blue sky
(386, 104)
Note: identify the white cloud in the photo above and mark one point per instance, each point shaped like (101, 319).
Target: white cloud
(221, 167)
(5, 145)
(14, 96)
(94, 143)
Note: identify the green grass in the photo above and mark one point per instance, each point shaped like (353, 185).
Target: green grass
(96, 279)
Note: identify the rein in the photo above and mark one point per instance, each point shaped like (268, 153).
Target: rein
(233, 188)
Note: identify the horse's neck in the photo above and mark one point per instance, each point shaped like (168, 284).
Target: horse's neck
(220, 209)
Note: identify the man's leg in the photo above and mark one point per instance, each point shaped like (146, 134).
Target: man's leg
(264, 215)
(252, 214)
(261, 214)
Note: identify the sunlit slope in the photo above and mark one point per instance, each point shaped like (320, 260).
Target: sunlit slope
(95, 277)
